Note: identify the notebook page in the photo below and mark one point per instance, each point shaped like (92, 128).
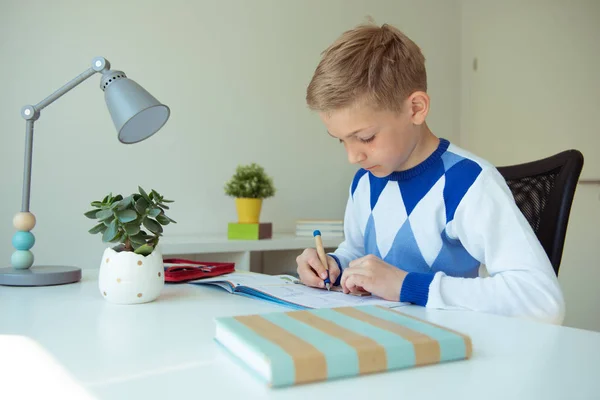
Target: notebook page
(320, 298)
(235, 279)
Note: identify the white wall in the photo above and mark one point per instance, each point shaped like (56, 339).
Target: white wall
(536, 92)
(234, 74)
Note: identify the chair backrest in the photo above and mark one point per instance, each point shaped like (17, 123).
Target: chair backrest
(544, 191)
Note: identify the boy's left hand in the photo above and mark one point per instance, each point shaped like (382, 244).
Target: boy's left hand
(375, 276)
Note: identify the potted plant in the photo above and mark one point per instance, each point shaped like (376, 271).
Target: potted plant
(131, 271)
(249, 185)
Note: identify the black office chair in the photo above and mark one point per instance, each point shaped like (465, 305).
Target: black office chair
(543, 191)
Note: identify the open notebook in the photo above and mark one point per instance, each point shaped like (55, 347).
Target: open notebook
(287, 290)
(300, 346)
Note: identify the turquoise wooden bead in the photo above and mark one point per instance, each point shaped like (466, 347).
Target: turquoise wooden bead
(23, 240)
(21, 259)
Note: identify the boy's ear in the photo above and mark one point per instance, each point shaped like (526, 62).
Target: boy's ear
(419, 107)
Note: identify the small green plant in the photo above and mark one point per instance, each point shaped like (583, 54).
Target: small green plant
(121, 220)
(250, 181)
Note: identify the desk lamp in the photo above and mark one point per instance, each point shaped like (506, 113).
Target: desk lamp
(136, 114)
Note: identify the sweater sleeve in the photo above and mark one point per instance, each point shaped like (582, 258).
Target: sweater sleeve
(493, 230)
(353, 245)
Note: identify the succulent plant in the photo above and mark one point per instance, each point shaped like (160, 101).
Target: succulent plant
(122, 219)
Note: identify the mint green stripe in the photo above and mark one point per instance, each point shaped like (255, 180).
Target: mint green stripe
(341, 358)
(400, 352)
(282, 364)
(452, 346)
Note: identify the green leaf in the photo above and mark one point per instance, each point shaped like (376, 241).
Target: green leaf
(117, 198)
(163, 206)
(98, 228)
(141, 205)
(156, 196)
(125, 203)
(110, 232)
(119, 248)
(167, 201)
(138, 220)
(144, 250)
(96, 204)
(137, 238)
(152, 225)
(105, 200)
(126, 216)
(91, 214)
(144, 194)
(104, 214)
(117, 238)
(109, 220)
(172, 220)
(154, 212)
(163, 220)
(132, 229)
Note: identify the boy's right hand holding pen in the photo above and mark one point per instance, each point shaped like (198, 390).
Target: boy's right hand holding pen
(312, 272)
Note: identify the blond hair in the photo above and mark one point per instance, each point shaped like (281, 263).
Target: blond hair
(377, 66)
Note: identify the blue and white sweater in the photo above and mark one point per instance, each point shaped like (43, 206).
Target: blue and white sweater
(441, 221)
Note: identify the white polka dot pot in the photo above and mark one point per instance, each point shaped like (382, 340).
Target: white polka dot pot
(129, 278)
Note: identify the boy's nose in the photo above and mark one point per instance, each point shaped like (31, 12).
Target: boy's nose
(356, 157)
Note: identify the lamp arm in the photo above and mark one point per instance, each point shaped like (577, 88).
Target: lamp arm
(66, 87)
(32, 113)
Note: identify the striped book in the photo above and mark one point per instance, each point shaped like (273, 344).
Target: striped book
(294, 347)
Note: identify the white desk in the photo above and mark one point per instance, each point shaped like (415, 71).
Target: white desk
(165, 350)
(245, 253)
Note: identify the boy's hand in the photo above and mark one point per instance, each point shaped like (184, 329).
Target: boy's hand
(312, 272)
(373, 275)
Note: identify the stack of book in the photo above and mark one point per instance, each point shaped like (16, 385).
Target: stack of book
(328, 228)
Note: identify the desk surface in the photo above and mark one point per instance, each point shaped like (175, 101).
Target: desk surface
(165, 349)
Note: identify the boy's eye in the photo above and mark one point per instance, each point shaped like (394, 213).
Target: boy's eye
(367, 140)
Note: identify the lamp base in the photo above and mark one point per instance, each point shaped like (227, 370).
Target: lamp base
(39, 276)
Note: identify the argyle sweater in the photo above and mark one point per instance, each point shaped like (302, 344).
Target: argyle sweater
(441, 221)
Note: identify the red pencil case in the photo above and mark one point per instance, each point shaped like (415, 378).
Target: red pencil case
(182, 270)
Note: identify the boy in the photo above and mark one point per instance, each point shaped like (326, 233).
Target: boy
(422, 215)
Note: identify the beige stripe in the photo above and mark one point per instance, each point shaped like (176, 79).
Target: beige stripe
(309, 363)
(467, 339)
(371, 355)
(427, 349)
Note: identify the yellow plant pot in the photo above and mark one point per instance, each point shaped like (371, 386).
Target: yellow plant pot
(248, 210)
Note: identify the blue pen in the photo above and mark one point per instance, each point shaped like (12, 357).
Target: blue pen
(322, 256)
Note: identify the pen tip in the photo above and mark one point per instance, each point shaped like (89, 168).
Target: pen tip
(327, 286)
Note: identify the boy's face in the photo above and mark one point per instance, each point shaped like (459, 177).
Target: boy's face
(379, 141)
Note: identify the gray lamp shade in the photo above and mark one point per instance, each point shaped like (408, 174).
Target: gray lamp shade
(137, 115)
